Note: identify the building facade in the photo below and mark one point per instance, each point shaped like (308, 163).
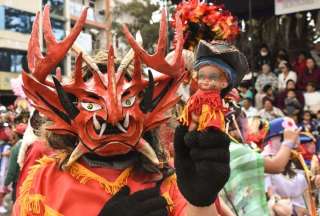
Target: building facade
(16, 19)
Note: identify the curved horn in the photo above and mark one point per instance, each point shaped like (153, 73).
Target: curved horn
(40, 65)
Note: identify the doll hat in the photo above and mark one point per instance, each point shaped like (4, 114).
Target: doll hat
(223, 55)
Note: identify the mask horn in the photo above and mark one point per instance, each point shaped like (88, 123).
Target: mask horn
(146, 103)
(65, 101)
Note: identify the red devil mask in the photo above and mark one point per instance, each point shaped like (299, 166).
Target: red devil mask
(109, 112)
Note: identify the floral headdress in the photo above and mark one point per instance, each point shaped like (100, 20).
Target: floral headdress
(205, 21)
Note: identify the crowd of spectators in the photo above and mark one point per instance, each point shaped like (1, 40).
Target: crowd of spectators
(283, 86)
(278, 86)
(13, 123)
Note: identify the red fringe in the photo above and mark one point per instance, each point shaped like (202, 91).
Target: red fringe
(210, 98)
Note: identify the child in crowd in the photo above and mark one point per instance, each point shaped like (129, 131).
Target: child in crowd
(312, 98)
(292, 104)
(307, 122)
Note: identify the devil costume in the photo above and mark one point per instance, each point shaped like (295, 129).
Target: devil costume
(108, 162)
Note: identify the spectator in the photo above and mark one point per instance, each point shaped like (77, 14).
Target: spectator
(244, 90)
(285, 75)
(307, 123)
(266, 77)
(267, 91)
(300, 65)
(269, 112)
(315, 53)
(286, 192)
(278, 60)
(264, 57)
(312, 73)
(291, 85)
(312, 98)
(14, 169)
(292, 104)
(249, 110)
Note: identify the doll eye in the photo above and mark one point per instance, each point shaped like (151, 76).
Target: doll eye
(90, 106)
(128, 102)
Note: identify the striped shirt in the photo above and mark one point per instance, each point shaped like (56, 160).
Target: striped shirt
(244, 192)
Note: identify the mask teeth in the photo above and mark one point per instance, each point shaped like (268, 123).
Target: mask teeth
(75, 155)
(103, 128)
(145, 148)
(120, 127)
(96, 123)
(126, 121)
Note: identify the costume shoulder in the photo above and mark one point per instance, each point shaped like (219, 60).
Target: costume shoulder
(31, 200)
(48, 190)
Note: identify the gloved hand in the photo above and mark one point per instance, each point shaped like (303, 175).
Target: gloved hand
(202, 164)
(142, 203)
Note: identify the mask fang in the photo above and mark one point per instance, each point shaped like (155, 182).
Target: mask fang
(75, 155)
(145, 148)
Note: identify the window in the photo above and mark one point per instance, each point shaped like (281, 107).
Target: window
(57, 6)
(15, 61)
(58, 29)
(16, 20)
(12, 60)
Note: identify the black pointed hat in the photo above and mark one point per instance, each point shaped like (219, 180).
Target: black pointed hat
(224, 54)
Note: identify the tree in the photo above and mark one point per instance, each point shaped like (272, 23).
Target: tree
(137, 15)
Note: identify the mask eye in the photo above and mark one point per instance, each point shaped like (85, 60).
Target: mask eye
(90, 106)
(128, 102)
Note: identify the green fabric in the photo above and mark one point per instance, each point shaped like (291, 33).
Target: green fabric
(244, 192)
(14, 169)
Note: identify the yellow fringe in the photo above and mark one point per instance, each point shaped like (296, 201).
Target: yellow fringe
(184, 117)
(83, 175)
(32, 203)
(170, 180)
(167, 183)
(51, 212)
(206, 115)
(170, 203)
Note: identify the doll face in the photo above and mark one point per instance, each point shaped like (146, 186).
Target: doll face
(211, 77)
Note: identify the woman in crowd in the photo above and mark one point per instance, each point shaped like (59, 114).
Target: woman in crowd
(269, 111)
(266, 77)
(280, 96)
(285, 75)
(310, 74)
(299, 65)
(263, 57)
(267, 91)
(312, 98)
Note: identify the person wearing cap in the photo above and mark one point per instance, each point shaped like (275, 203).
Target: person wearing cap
(246, 195)
(277, 141)
(307, 147)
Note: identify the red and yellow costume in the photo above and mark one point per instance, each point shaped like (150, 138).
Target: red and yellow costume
(108, 114)
(82, 186)
(208, 106)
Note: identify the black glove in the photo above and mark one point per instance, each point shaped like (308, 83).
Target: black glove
(202, 164)
(142, 203)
